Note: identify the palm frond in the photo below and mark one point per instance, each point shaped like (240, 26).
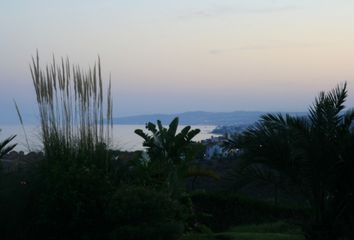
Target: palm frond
(5, 148)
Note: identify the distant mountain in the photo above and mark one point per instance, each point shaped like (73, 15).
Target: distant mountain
(198, 118)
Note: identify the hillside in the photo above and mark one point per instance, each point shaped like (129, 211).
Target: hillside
(198, 118)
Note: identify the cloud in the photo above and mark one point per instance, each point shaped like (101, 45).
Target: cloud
(218, 11)
(272, 9)
(260, 47)
(216, 51)
(280, 45)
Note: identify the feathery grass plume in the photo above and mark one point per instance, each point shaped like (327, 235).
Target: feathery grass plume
(76, 118)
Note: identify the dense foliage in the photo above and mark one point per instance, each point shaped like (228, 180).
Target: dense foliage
(169, 155)
(79, 188)
(143, 213)
(311, 156)
(221, 210)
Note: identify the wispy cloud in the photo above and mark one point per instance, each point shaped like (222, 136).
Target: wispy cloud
(260, 47)
(217, 11)
(276, 46)
(218, 51)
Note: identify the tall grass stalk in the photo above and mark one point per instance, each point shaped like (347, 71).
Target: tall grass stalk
(22, 125)
(75, 111)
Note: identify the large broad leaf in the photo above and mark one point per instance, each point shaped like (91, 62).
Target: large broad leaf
(192, 134)
(151, 127)
(159, 124)
(173, 127)
(142, 134)
(185, 130)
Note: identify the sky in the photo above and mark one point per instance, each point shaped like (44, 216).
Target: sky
(169, 56)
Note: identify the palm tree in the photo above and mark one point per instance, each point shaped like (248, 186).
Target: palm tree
(267, 156)
(314, 153)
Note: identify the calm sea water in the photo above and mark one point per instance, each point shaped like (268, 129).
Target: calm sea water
(124, 137)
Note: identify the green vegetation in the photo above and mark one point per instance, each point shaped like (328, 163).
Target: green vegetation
(143, 213)
(273, 227)
(73, 112)
(73, 182)
(310, 157)
(259, 236)
(169, 155)
(221, 210)
(269, 231)
(80, 188)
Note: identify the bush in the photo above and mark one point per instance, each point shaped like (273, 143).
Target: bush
(14, 198)
(68, 201)
(220, 211)
(274, 227)
(198, 236)
(55, 201)
(138, 213)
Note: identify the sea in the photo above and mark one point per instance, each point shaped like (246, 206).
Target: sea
(123, 139)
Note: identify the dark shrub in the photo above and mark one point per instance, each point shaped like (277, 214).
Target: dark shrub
(69, 201)
(14, 197)
(139, 213)
(220, 211)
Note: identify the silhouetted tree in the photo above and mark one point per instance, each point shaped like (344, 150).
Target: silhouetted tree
(169, 154)
(313, 153)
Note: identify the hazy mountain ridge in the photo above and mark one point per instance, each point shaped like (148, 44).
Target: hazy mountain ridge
(186, 118)
(199, 118)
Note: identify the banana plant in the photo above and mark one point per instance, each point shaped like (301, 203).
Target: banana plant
(166, 143)
(170, 154)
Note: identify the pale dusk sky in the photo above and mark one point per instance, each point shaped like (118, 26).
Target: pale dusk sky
(169, 56)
